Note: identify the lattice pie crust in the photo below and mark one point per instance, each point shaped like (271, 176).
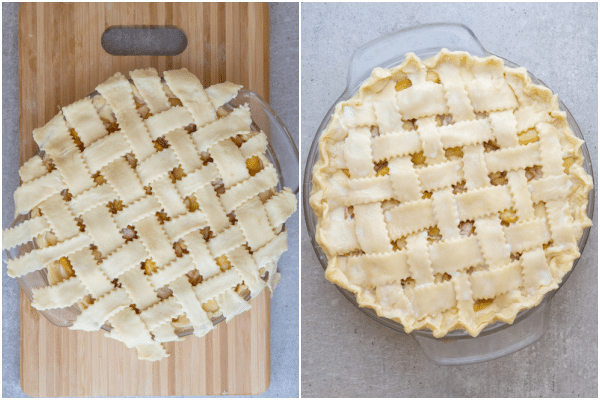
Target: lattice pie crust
(449, 193)
(153, 208)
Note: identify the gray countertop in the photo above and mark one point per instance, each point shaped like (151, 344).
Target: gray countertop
(284, 82)
(344, 352)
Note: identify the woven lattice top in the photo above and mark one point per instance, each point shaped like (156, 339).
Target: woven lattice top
(152, 208)
(449, 193)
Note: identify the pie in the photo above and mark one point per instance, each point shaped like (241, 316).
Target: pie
(153, 208)
(449, 193)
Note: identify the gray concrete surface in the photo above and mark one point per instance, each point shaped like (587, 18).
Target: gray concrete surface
(284, 39)
(344, 352)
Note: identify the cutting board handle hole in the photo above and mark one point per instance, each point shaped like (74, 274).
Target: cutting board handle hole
(130, 40)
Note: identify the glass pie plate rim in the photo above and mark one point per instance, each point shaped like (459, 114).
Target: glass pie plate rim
(357, 74)
(287, 149)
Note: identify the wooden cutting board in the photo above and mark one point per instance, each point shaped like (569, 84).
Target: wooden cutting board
(61, 60)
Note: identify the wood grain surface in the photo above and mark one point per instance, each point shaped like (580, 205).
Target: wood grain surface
(61, 60)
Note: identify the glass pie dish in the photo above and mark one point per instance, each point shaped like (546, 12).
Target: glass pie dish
(457, 347)
(281, 151)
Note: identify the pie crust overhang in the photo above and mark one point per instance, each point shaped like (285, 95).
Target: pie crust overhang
(153, 208)
(449, 193)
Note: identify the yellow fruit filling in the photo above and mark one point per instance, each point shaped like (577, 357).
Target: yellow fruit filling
(149, 266)
(403, 84)
(481, 304)
(529, 136)
(223, 263)
(432, 76)
(567, 162)
(508, 216)
(418, 158)
(254, 165)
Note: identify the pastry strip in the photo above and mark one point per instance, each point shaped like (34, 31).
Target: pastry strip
(24, 232)
(504, 128)
(156, 241)
(216, 285)
(150, 88)
(368, 190)
(161, 312)
(139, 288)
(212, 208)
(83, 118)
(254, 146)
(117, 92)
(378, 269)
(395, 144)
(203, 260)
(536, 272)
(231, 304)
(357, 152)
(134, 212)
(176, 268)
(32, 169)
(32, 193)
(105, 150)
(492, 242)
(244, 264)
(39, 258)
(415, 216)
(466, 133)
(185, 149)
(238, 194)
(489, 284)
(514, 158)
(254, 223)
(61, 295)
(432, 299)
(93, 317)
(168, 196)
(124, 180)
(227, 240)
(88, 272)
(526, 235)
(373, 237)
(157, 165)
(449, 256)
(187, 87)
(183, 291)
(103, 229)
(230, 162)
(120, 261)
(280, 207)
(481, 202)
(180, 226)
(224, 128)
(404, 179)
(197, 179)
(167, 121)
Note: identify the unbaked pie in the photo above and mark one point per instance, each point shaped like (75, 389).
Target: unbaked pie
(153, 207)
(449, 193)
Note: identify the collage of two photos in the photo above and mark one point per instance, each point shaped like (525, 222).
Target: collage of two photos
(300, 199)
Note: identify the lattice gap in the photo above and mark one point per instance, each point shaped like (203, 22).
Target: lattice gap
(444, 119)
(180, 248)
(442, 277)
(491, 145)
(129, 233)
(534, 172)
(107, 116)
(161, 143)
(498, 178)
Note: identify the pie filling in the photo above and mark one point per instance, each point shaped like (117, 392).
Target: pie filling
(449, 193)
(153, 209)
